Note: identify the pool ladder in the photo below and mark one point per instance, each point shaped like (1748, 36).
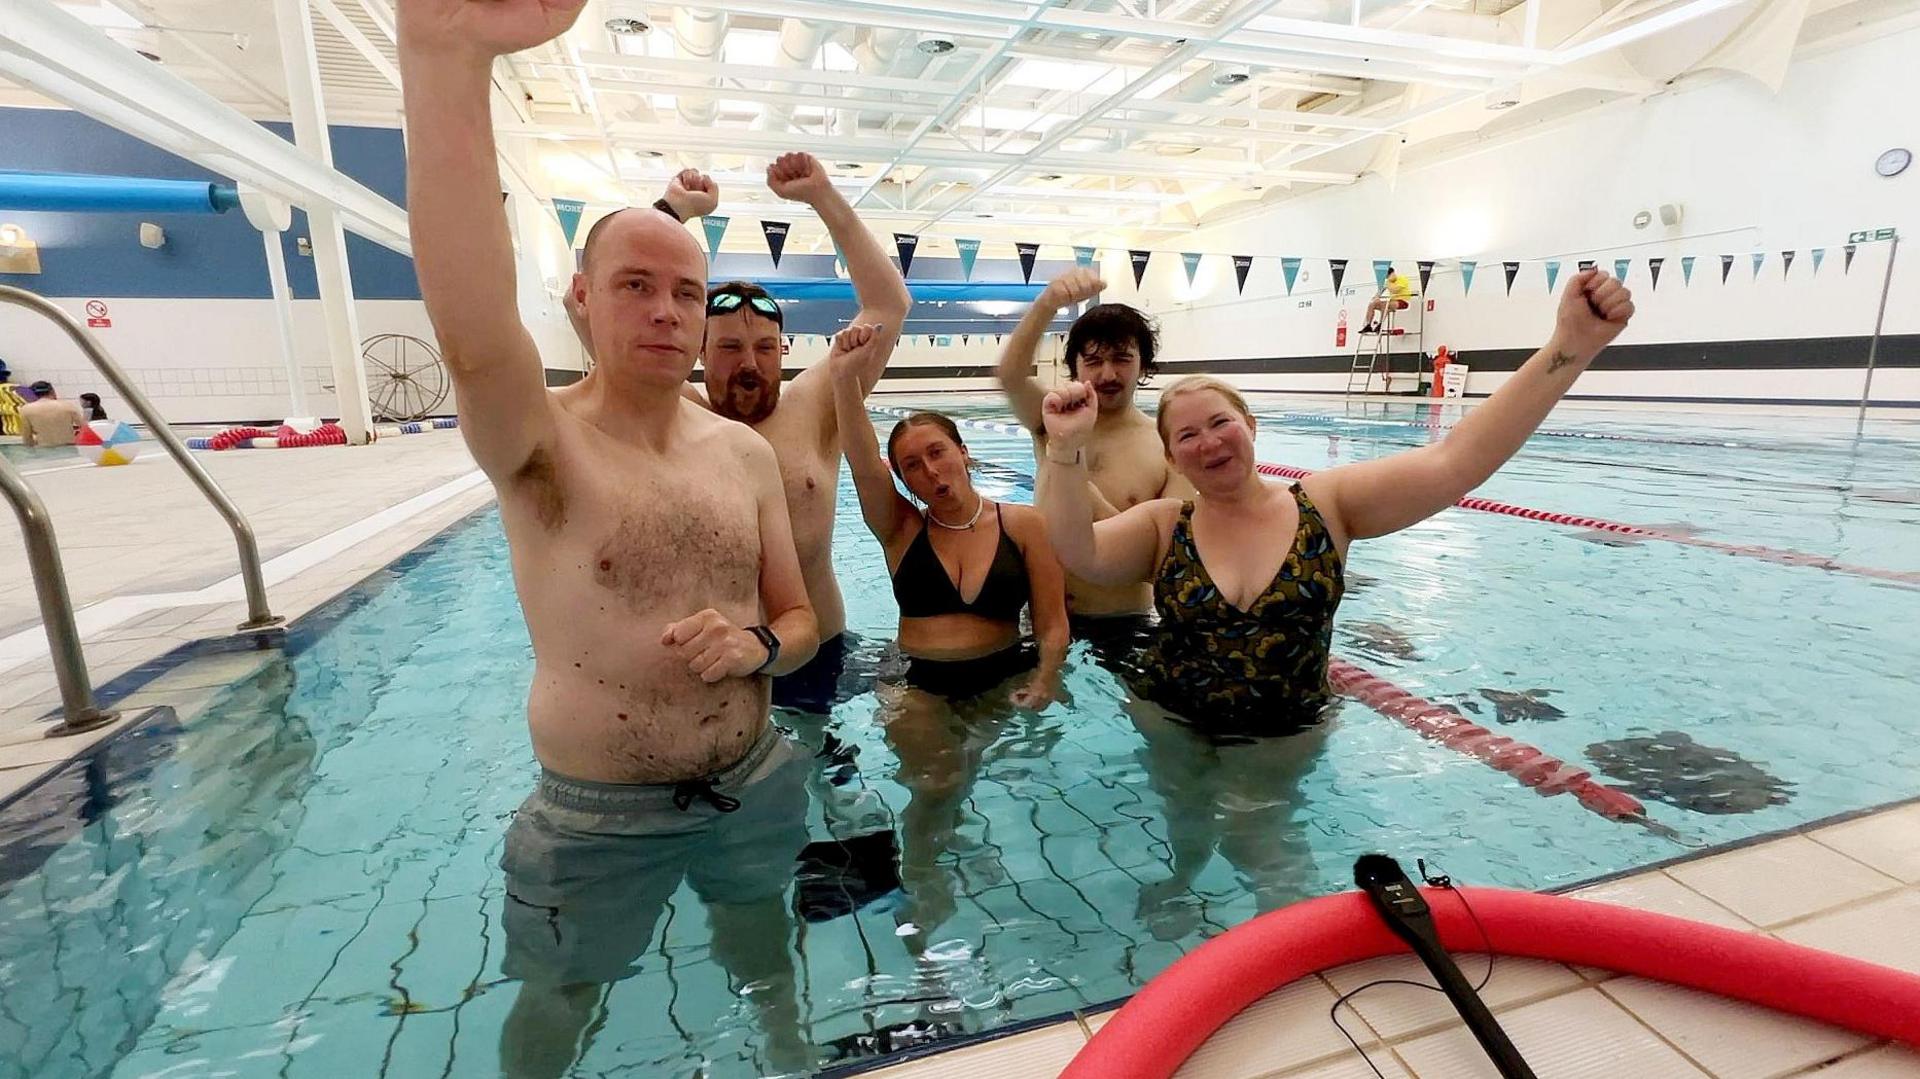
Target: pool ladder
(79, 712)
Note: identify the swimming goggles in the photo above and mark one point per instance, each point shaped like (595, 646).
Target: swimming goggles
(728, 301)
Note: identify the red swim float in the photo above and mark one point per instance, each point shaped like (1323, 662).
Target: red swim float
(1157, 1030)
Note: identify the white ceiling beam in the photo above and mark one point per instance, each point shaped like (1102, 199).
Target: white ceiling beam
(722, 70)
(267, 95)
(1340, 86)
(895, 16)
(1296, 118)
(1643, 28)
(1231, 21)
(45, 48)
(776, 97)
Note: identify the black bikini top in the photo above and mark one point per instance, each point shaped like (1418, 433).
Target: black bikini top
(923, 589)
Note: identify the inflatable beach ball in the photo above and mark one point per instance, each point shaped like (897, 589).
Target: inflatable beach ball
(108, 442)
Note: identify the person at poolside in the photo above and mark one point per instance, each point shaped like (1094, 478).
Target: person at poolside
(1394, 295)
(654, 558)
(47, 420)
(743, 381)
(963, 569)
(1245, 622)
(90, 406)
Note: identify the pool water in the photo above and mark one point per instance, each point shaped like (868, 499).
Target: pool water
(302, 879)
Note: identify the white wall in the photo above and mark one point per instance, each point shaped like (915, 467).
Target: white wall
(1754, 172)
(199, 361)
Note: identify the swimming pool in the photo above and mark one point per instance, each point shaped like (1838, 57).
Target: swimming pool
(301, 879)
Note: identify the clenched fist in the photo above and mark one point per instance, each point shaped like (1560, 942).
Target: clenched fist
(715, 648)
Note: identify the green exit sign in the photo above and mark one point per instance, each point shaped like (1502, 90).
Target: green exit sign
(1869, 235)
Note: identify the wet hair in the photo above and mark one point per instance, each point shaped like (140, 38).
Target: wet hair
(42, 388)
(91, 403)
(1195, 384)
(921, 419)
(748, 292)
(1113, 325)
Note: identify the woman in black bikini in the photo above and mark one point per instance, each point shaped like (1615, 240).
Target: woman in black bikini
(963, 568)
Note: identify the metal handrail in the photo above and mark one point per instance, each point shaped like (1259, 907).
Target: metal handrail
(56, 607)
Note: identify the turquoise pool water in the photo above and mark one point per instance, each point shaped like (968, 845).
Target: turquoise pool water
(302, 880)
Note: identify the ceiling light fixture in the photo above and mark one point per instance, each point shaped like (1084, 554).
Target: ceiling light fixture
(935, 46)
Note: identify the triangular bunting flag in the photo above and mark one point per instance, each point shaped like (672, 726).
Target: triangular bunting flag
(1786, 257)
(1620, 268)
(1587, 264)
(716, 229)
(1339, 268)
(1083, 256)
(1290, 269)
(1512, 271)
(905, 243)
(969, 250)
(569, 211)
(1028, 252)
(1381, 267)
(1819, 256)
(1425, 267)
(1191, 260)
(776, 234)
(1686, 269)
(1241, 265)
(1726, 267)
(1758, 258)
(1653, 271)
(1847, 266)
(1553, 274)
(1466, 275)
(965, 337)
(1139, 260)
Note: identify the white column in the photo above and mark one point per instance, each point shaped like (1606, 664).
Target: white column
(295, 23)
(283, 319)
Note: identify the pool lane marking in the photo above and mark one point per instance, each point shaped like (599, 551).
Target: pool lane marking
(1591, 436)
(1546, 774)
(1776, 555)
(30, 644)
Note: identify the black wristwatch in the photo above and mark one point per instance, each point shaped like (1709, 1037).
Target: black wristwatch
(666, 207)
(772, 643)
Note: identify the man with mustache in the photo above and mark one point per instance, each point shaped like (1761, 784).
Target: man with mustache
(741, 356)
(1110, 347)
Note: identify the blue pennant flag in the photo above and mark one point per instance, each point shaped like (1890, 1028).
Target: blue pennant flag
(1553, 274)
(1290, 269)
(1191, 259)
(1686, 269)
(1620, 268)
(969, 250)
(716, 229)
(569, 211)
(1083, 256)
(1466, 275)
(1819, 256)
(1381, 267)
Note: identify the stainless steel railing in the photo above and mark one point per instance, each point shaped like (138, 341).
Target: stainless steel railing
(43, 553)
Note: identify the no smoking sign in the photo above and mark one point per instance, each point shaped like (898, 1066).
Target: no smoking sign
(97, 315)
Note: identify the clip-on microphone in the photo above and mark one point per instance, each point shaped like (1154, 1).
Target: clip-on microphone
(1406, 912)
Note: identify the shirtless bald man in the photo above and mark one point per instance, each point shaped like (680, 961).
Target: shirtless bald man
(658, 600)
(742, 362)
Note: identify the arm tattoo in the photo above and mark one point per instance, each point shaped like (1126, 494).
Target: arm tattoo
(1560, 359)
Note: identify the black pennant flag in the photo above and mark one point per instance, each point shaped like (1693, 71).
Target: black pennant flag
(905, 243)
(1513, 270)
(1587, 264)
(1028, 252)
(1847, 267)
(1139, 260)
(1726, 267)
(776, 234)
(1426, 272)
(1786, 257)
(1653, 268)
(1242, 264)
(1339, 269)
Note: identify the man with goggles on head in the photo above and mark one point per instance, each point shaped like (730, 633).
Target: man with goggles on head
(742, 361)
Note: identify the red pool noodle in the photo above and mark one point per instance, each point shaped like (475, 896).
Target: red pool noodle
(1746, 550)
(1174, 1014)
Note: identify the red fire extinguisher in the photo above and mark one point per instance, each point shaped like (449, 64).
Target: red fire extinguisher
(1441, 359)
(1340, 331)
